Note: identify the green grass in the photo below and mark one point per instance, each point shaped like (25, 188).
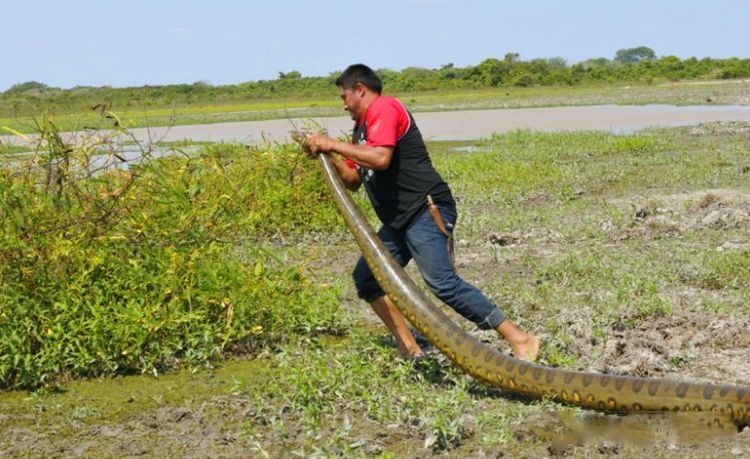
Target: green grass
(316, 395)
(606, 224)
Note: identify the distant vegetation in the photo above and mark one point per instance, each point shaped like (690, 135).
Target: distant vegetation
(638, 64)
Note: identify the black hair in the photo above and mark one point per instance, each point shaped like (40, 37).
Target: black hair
(360, 73)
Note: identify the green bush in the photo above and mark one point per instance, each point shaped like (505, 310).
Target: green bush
(523, 80)
(139, 269)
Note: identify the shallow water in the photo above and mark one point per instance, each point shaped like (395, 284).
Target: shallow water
(468, 124)
(474, 124)
(115, 157)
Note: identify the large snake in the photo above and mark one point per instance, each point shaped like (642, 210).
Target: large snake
(613, 393)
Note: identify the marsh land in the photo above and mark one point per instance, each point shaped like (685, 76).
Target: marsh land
(626, 254)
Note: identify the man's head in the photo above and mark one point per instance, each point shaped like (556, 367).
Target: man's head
(358, 86)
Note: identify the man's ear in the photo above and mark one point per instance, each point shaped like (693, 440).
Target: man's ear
(360, 89)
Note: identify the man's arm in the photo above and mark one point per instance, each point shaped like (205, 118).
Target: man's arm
(376, 158)
(349, 176)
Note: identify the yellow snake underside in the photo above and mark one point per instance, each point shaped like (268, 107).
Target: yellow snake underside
(613, 393)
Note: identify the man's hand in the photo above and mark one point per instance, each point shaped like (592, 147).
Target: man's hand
(318, 143)
(376, 158)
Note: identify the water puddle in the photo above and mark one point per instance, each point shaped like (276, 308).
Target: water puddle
(671, 430)
(120, 157)
(466, 124)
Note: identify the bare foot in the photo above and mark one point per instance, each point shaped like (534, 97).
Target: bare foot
(523, 345)
(410, 354)
(394, 320)
(526, 349)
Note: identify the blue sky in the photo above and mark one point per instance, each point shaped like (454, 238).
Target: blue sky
(136, 42)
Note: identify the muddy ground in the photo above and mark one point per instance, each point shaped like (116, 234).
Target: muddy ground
(690, 344)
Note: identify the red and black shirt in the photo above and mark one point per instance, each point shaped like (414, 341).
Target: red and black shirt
(398, 194)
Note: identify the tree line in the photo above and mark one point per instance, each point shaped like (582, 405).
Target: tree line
(635, 65)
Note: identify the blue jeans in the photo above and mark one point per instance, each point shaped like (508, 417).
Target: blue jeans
(423, 241)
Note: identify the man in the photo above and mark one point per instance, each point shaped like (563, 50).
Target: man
(389, 157)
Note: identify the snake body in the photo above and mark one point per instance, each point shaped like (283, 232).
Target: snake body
(613, 393)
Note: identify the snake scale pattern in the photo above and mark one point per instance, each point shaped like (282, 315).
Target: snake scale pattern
(596, 391)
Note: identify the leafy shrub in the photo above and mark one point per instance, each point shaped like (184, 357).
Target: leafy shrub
(137, 269)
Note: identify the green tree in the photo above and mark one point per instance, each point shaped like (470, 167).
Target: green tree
(511, 57)
(492, 71)
(635, 55)
(293, 75)
(595, 63)
(523, 80)
(28, 87)
(556, 62)
(448, 71)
